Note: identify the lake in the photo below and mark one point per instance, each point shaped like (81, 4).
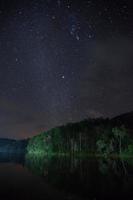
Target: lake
(64, 177)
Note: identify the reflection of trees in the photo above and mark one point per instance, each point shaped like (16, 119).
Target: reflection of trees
(86, 176)
(118, 166)
(37, 163)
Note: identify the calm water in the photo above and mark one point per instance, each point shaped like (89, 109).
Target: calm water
(65, 178)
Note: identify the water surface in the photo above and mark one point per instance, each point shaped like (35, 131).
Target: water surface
(65, 178)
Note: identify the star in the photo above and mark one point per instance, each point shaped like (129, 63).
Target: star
(59, 3)
(70, 48)
(53, 17)
(77, 37)
(16, 59)
(90, 36)
(20, 12)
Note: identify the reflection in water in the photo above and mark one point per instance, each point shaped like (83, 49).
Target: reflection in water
(68, 178)
(12, 158)
(88, 178)
(18, 183)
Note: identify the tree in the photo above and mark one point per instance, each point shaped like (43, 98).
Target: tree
(101, 146)
(119, 134)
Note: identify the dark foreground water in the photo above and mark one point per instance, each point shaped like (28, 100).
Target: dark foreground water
(65, 178)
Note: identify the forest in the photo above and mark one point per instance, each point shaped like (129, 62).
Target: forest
(99, 137)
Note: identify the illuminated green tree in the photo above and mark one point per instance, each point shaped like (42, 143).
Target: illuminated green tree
(119, 134)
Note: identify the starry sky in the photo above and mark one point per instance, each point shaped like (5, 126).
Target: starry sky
(63, 61)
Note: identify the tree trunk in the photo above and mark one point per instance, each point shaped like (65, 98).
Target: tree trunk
(120, 145)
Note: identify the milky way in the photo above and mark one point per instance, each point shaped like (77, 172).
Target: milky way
(63, 61)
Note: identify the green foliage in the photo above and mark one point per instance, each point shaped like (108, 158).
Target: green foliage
(39, 144)
(87, 137)
(105, 147)
(113, 141)
(120, 134)
(101, 146)
(55, 135)
(129, 149)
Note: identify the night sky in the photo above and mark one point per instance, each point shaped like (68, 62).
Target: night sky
(63, 61)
